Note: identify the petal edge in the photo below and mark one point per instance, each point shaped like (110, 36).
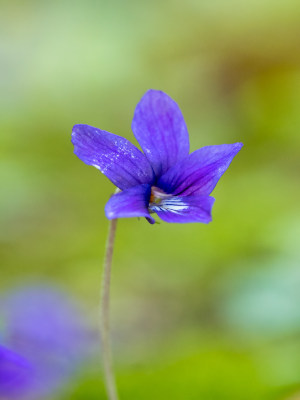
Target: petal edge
(160, 129)
(132, 202)
(118, 159)
(200, 171)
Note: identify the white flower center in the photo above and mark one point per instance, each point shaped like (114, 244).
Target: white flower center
(161, 201)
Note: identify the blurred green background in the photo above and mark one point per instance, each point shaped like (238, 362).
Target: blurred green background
(198, 312)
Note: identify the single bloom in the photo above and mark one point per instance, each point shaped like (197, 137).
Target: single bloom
(165, 179)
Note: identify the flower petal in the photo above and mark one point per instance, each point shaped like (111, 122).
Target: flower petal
(113, 155)
(185, 209)
(132, 202)
(200, 172)
(159, 127)
(16, 374)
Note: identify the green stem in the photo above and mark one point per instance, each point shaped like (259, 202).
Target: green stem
(109, 376)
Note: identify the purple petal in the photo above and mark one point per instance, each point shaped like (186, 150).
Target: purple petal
(16, 374)
(185, 209)
(132, 202)
(113, 155)
(159, 127)
(200, 172)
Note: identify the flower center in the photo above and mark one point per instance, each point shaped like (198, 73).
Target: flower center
(161, 201)
(157, 198)
(157, 195)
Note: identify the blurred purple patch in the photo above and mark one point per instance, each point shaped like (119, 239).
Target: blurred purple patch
(16, 374)
(47, 329)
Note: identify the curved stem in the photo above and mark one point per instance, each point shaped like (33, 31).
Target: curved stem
(105, 336)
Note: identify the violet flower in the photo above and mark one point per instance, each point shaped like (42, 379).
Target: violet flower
(166, 179)
(44, 333)
(16, 374)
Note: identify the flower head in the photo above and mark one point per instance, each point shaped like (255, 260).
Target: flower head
(165, 179)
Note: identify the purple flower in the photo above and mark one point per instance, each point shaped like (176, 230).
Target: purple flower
(166, 179)
(16, 374)
(46, 336)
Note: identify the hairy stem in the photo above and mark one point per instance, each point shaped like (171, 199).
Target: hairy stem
(105, 335)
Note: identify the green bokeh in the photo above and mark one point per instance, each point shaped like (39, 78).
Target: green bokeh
(198, 312)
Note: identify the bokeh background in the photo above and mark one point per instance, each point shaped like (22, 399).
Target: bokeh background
(206, 312)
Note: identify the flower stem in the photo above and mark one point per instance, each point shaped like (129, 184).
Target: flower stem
(105, 335)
